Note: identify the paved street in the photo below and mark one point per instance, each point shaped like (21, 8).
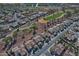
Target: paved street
(46, 46)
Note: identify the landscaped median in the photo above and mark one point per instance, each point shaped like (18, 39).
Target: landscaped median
(54, 16)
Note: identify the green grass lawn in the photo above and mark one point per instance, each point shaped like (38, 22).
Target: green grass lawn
(54, 16)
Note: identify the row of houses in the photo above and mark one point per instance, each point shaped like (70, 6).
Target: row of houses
(37, 42)
(67, 45)
(36, 15)
(29, 47)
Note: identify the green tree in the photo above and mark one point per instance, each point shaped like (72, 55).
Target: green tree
(27, 30)
(7, 40)
(17, 30)
(68, 14)
(34, 28)
(76, 10)
(15, 34)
